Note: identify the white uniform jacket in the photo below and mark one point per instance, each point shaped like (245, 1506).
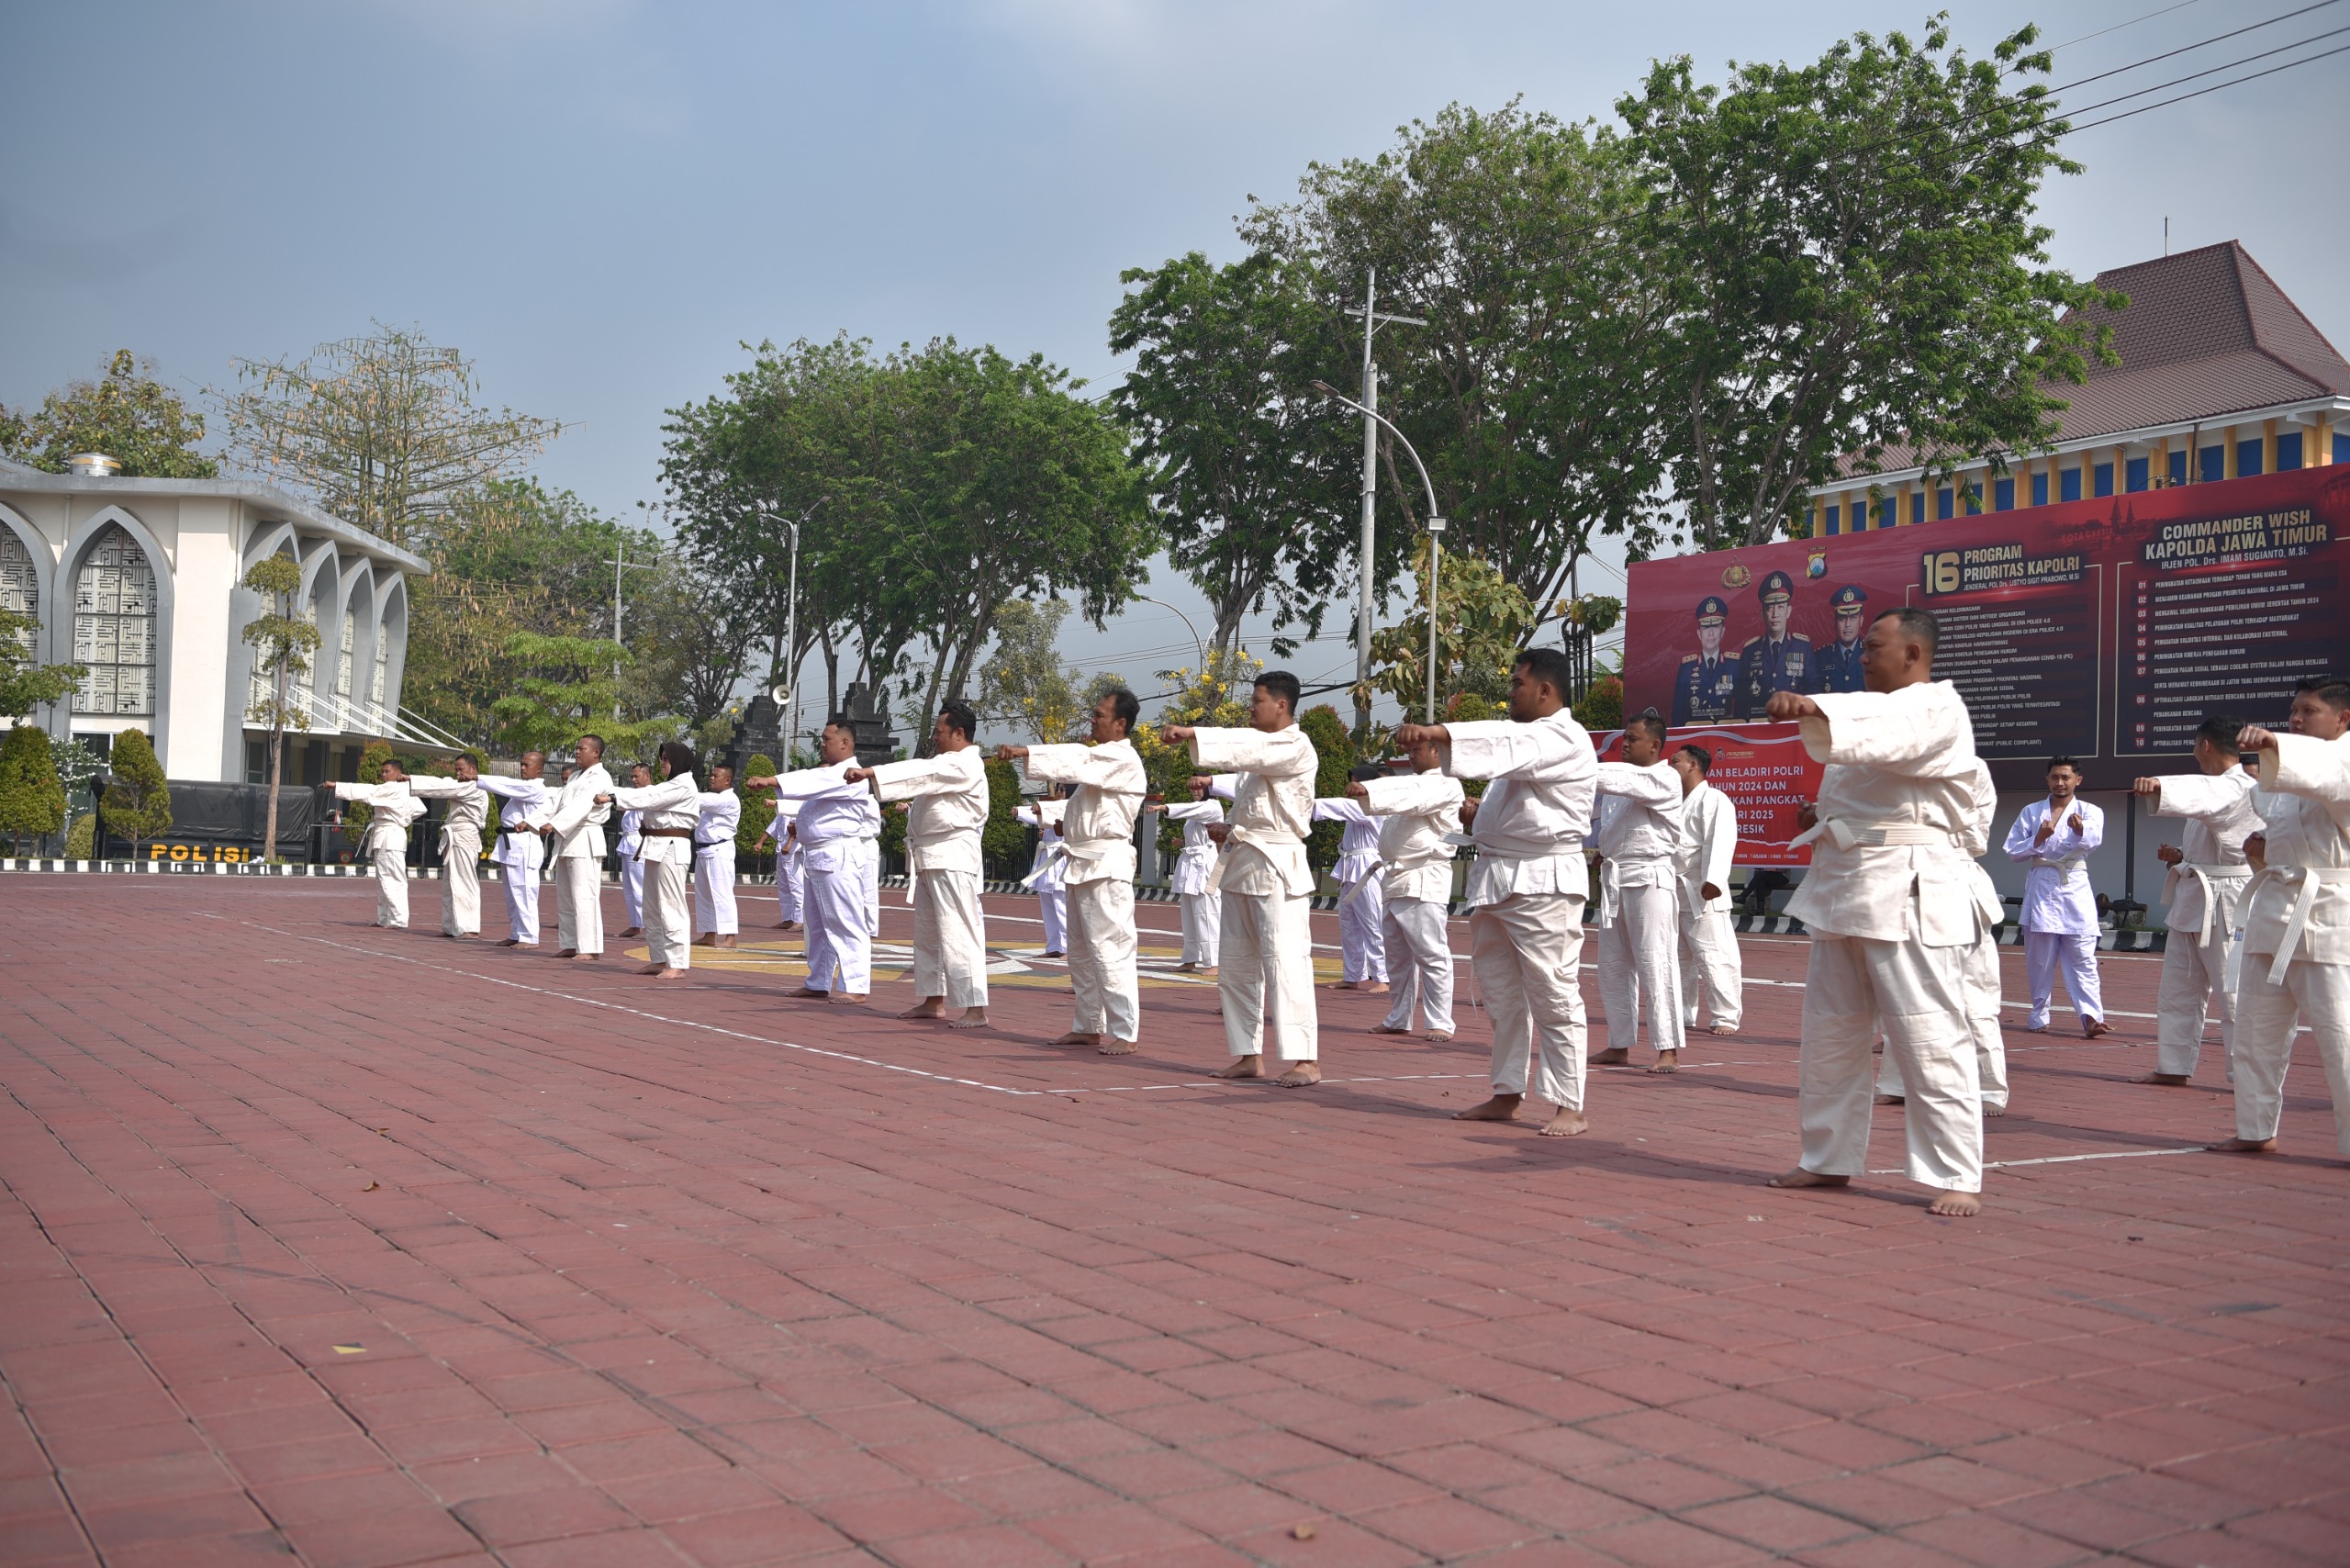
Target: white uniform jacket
(672, 803)
(630, 823)
(519, 798)
(721, 812)
(578, 820)
(1531, 824)
(949, 807)
(1272, 808)
(1097, 820)
(1418, 814)
(1636, 829)
(1196, 863)
(468, 809)
(1357, 845)
(394, 805)
(1048, 868)
(1709, 847)
(2056, 892)
(834, 816)
(2299, 907)
(2218, 815)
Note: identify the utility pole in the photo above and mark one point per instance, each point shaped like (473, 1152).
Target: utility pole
(1371, 422)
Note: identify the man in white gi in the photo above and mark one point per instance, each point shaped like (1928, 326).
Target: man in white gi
(1362, 891)
(1984, 986)
(1894, 912)
(631, 840)
(790, 871)
(573, 823)
(1418, 816)
(721, 813)
(1527, 885)
(840, 827)
(1636, 830)
(1195, 867)
(1106, 783)
(672, 812)
(391, 806)
(1268, 888)
(520, 851)
(947, 810)
(2297, 913)
(1713, 975)
(2054, 838)
(1049, 869)
(2207, 881)
(461, 827)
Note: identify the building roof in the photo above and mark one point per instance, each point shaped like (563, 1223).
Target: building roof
(266, 499)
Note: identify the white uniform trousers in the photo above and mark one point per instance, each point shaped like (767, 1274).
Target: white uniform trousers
(1415, 934)
(1266, 978)
(522, 887)
(1637, 954)
(579, 906)
(791, 876)
(1362, 939)
(1919, 996)
(950, 938)
(1202, 928)
(840, 929)
(714, 891)
(2266, 1016)
(668, 915)
(1102, 958)
(2045, 952)
(391, 885)
(1714, 973)
(632, 890)
(1053, 904)
(1526, 951)
(2196, 980)
(461, 884)
(1983, 1000)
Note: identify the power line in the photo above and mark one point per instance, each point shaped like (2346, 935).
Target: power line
(2216, 86)
(2118, 27)
(2209, 71)
(2191, 47)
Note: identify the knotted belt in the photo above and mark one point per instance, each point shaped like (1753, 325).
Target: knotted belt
(1261, 840)
(1848, 834)
(2307, 880)
(1056, 851)
(2214, 929)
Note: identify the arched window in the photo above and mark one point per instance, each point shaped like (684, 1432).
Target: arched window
(114, 627)
(19, 589)
(384, 665)
(342, 664)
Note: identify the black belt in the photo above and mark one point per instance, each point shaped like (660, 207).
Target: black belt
(665, 833)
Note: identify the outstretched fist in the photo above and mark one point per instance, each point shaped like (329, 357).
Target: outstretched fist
(1011, 753)
(1411, 736)
(1786, 705)
(1176, 735)
(2254, 738)
(857, 775)
(1199, 783)
(2145, 787)
(1358, 790)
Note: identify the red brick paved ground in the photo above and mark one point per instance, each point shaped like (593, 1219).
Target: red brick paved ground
(350, 1248)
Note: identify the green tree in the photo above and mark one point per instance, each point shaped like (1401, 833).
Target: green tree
(688, 634)
(127, 413)
(560, 689)
(137, 803)
(1602, 707)
(24, 685)
(283, 640)
(32, 800)
(759, 806)
(1024, 684)
(1484, 620)
(357, 814)
(82, 838)
(1334, 752)
(1003, 840)
(1850, 262)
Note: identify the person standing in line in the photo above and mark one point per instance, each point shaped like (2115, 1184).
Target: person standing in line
(574, 824)
(1527, 885)
(1048, 870)
(1106, 781)
(672, 810)
(392, 806)
(1638, 835)
(2296, 913)
(1418, 816)
(840, 828)
(790, 871)
(520, 851)
(715, 916)
(632, 839)
(1362, 891)
(1268, 888)
(2208, 878)
(2054, 838)
(1715, 971)
(1984, 986)
(1203, 911)
(946, 811)
(461, 828)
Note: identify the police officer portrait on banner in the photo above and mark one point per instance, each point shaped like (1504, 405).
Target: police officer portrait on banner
(1839, 664)
(1778, 660)
(1706, 686)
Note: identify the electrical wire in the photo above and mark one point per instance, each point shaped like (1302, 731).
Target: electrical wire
(2214, 87)
(2191, 47)
(2212, 70)
(2118, 27)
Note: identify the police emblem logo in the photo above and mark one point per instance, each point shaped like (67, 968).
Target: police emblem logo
(1736, 575)
(1816, 566)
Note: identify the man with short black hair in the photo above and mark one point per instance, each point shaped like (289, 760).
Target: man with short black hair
(461, 827)
(574, 824)
(1715, 977)
(2054, 838)
(1636, 828)
(391, 806)
(627, 846)
(947, 808)
(1362, 901)
(720, 810)
(841, 827)
(1418, 817)
(2207, 881)
(520, 850)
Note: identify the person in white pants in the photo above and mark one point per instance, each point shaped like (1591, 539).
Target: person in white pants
(392, 806)
(1636, 830)
(573, 823)
(1267, 983)
(2054, 838)
(790, 872)
(1527, 885)
(1106, 782)
(1048, 870)
(715, 918)
(1894, 912)
(520, 851)
(672, 809)
(839, 828)
(1418, 816)
(1195, 865)
(1984, 993)
(1715, 983)
(631, 840)
(1362, 891)
(946, 812)
(2297, 913)
(2207, 881)
(461, 828)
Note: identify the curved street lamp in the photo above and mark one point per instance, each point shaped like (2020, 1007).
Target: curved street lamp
(1435, 530)
(1199, 647)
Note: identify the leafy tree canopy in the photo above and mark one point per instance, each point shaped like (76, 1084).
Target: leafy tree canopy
(137, 803)
(32, 800)
(126, 413)
(24, 685)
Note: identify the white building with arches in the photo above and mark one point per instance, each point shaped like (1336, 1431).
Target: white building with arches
(142, 581)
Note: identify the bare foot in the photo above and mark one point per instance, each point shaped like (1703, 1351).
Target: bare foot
(1667, 1061)
(631, 931)
(706, 939)
(1344, 985)
(805, 994)
(927, 1007)
(1243, 1066)
(1078, 1037)
(854, 998)
(727, 939)
(668, 974)
(1500, 1108)
(2091, 1030)
(1439, 1037)
(787, 925)
(1301, 1075)
(1110, 1047)
(1610, 1058)
(1187, 969)
(1207, 971)
(1373, 988)
(2244, 1146)
(1956, 1205)
(973, 1019)
(1892, 1100)
(568, 953)
(2172, 1079)
(1990, 1110)
(511, 942)
(1799, 1177)
(1564, 1122)
(590, 958)
(1384, 1029)
(1723, 1029)
(1054, 953)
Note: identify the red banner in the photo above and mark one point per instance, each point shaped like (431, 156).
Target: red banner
(1765, 771)
(2105, 630)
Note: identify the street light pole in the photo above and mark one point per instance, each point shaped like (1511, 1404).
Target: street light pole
(1436, 546)
(1201, 648)
(621, 563)
(1370, 423)
(791, 649)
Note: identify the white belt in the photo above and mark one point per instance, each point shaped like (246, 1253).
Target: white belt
(1873, 835)
(1377, 873)
(2309, 879)
(1055, 853)
(2063, 865)
(2213, 929)
(1264, 843)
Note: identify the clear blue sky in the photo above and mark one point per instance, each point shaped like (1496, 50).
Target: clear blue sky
(598, 199)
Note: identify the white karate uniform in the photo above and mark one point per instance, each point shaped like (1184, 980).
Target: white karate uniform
(670, 812)
(1049, 869)
(840, 829)
(1194, 866)
(1896, 908)
(1636, 829)
(1983, 986)
(518, 854)
(1418, 816)
(461, 829)
(2059, 908)
(395, 806)
(1526, 889)
(2296, 933)
(2200, 956)
(1098, 826)
(949, 809)
(1714, 972)
(1266, 980)
(1362, 892)
(791, 870)
(578, 824)
(632, 868)
(722, 815)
